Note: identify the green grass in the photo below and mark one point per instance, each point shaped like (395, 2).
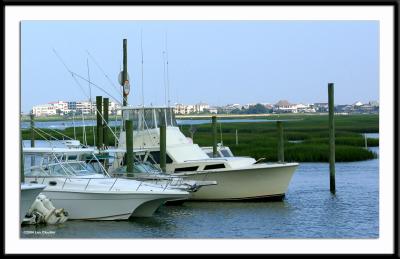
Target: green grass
(259, 139)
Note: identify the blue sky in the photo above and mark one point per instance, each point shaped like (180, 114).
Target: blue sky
(218, 62)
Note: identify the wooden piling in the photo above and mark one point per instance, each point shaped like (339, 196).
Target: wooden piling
(105, 123)
(129, 148)
(331, 137)
(214, 132)
(32, 136)
(237, 140)
(280, 141)
(99, 128)
(22, 174)
(125, 71)
(163, 143)
(32, 129)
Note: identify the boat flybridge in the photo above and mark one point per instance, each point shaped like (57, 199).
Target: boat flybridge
(77, 182)
(238, 178)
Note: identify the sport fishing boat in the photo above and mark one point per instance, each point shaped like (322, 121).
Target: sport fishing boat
(86, 193)
(145, 171)
(142, 171)
(29, 192)
(238, 178)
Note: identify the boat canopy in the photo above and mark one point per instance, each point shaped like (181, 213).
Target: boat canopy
(149, 117)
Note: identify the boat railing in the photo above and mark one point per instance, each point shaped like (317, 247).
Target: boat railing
(89, 181)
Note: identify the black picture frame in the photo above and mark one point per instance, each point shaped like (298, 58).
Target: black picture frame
(396, 96)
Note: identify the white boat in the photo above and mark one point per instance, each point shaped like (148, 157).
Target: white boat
(80, 189)
(144, 171)
(238, 178)
(29, 192)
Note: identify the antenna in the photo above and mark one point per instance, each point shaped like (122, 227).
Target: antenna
(165, 85)
(90, 87)
(90, 100)
(220, 131)
(141, 49)
(166, 49)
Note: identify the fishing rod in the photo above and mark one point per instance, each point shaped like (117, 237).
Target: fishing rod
(105, 75)
(166, 50)
(73, 74)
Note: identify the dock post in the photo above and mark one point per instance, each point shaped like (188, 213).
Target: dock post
(105, 124)
(32, 136)
(237, 140)
(22, 174)
(32, 129)
(214, 130)
(125, 72)
(163, 143)
(129, 148)
(365, 140)
(331, 137)
(99, 132)
(280, 142)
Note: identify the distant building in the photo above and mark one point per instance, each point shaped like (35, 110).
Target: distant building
(184, 109)
(64, 108)
(321, 107)
(200, 107)
(230, 107)
(44, 110)
(268, 106)
(283, 106)
(374, 103)
(343, 108)
(190, 108)
(304, 108)
(213, 110)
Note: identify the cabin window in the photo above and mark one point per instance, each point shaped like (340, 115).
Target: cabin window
(225, 153)
(148, 118)
(190, 168)
(210, 154)
(215, 166)
(154, 158)
(73, 157)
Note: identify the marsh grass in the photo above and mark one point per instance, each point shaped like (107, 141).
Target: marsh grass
(259, 139)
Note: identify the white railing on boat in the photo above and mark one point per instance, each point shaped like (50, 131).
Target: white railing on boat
(89, 180)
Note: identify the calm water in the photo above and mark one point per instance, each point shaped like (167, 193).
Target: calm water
(308, 211)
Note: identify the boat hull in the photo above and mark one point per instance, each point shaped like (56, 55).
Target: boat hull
(108, 206)
(29, 192)
(257, 182)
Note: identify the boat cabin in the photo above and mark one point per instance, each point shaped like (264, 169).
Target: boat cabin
(182, 153)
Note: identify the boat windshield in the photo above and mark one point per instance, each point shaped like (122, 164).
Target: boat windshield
(65, 169)
(150, 118)
(139, 167)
